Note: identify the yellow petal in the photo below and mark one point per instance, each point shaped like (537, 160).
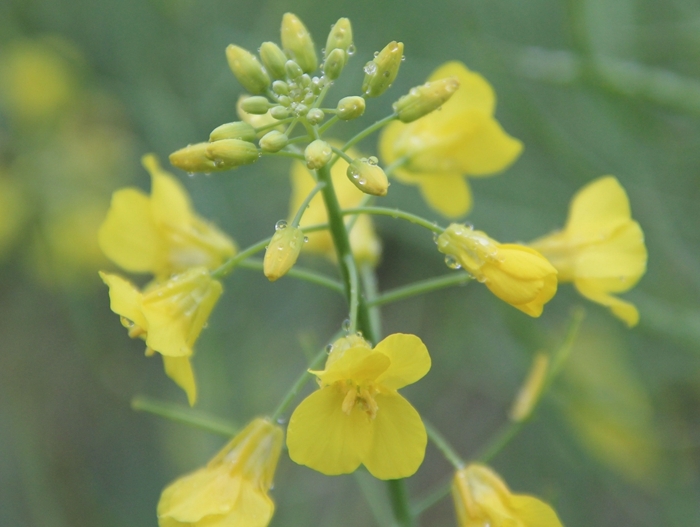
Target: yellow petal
(358, 364)
(129, 236)
(474, 91)
(254, 508)
(596, 209)
(179, 369)
(324, 438)
(399, 439)
(533, 512)
(125, 299)
(410, 360)
(170, 204)
(449, 194)
(623, 310)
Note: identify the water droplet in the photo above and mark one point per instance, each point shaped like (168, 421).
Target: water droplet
(280, 421)
(435, 237)
(372, 160)
(451, 262)
(403, 58)
(346, 325)
(482, 279)
(376, 54)
(358, 334)
(306, 239)
(362, 181)
(280, 248)
(370, 68)
(282, 224)
(329, 348)
(191, 174)
(351, 49)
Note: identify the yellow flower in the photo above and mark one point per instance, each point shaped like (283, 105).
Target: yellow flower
(160, 234)
(357, 416)
(232, 489)
(601, 249)
(460, 139)
(169, 316)
(363, 240)
(481, 498)
(514, 273)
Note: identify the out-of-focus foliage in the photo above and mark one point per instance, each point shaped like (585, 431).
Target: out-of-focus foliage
(590, 87)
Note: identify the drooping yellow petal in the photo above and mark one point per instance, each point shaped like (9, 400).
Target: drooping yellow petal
(447, 193)
(321, 436)
(623, 310)
(410, 360)
(179, 369)
(254, 508)
(533, 512)
(399, 439)
(170, 204)
(596, 209)
(125, 299)
(128, 214)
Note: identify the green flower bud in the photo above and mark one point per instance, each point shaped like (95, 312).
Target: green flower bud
(382, 70)
(366, 175)
(280, 88)
(350, 108)
(235, 130)
(274, 59)
(297, 43)
(283, 251)
(424, 99)
(317, 154)
(273, 141)
(315, 116)
(293, 69)
(334, 64)
(279, 112)
(247, 69)
(193, 158)
(232, 153)
(257, 105)
(340, 37)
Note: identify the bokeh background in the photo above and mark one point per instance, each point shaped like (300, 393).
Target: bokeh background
(591, 87)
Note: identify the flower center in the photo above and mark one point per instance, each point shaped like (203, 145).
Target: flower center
(362, 395)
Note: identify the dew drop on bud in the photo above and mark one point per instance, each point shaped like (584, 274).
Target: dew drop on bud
(451, 262)
(306, 239)
(329, 348)
(346, 325)
(372, 160)
(282, 224)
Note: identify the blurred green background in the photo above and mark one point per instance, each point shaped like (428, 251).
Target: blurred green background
(591, 87)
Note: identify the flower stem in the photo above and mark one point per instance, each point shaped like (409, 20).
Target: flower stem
(369, 286)
(441, 443)
(342, 154)
(184, 415)
(368, 131)
(354, 292)
(398, 496)
(305, 203)
(395, 213)
(301, 274)
(420, 287)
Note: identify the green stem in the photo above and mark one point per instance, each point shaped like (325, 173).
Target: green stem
(441, 443)
(274, 125)
(421, 287)
(184, 415)
(389, 169)
(305, 203)
(431, 499)
(301, 274)
(298, 385)
(396, 214)
(504, 437)
(369, 286)
(342, 154)
(400, 502)
(324, 127)
(354, 292)
(285, 153)
(368, 131)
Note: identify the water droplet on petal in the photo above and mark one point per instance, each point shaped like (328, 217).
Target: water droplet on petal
(451, 262)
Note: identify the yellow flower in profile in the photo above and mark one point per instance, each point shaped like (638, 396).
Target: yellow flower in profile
(461, 139)
(514, 273)
(232, 490)
(601, 249)
(160, 234)
(357, 416)
(364, 242)
(169, 316)
(481, 498)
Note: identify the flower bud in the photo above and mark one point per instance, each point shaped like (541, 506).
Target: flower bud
(315, 116)
(334, 64)
(366, 175)
(232, 153)
(279, 112)
(274, 59)
(247, 69)
(257, 105)
(340, 37)
(382, 70)
(350, 108)
(424, 99)
(235, 130)
(280, 88)
(273, 141)
(317, 154)
(283, 251)
(193, 158)
(297, 43)
(293, 70)
(531, 389)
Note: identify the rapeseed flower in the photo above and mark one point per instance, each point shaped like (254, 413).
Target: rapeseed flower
(601, 248)
(461, 139)
(364, 242)
(357, 416)
(481, 498)
(232, 490)
(514, 273)
(161, 233)
(169, 316)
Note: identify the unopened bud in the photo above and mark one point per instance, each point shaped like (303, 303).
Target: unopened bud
(297, 43)
(257, 105)
(422, 100)
(232, 153)
(193, 158)
(274, 59)
(315, 116)
(531, 390)
(350, 107)
(366, 175)
(273, 141)
(382, 70)
(280, 88)
(279, 112)
(283, 251)
(293, 69)
(249, 72)
(317, 154)
(334, 64)
(235, 130)
(340, 37)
